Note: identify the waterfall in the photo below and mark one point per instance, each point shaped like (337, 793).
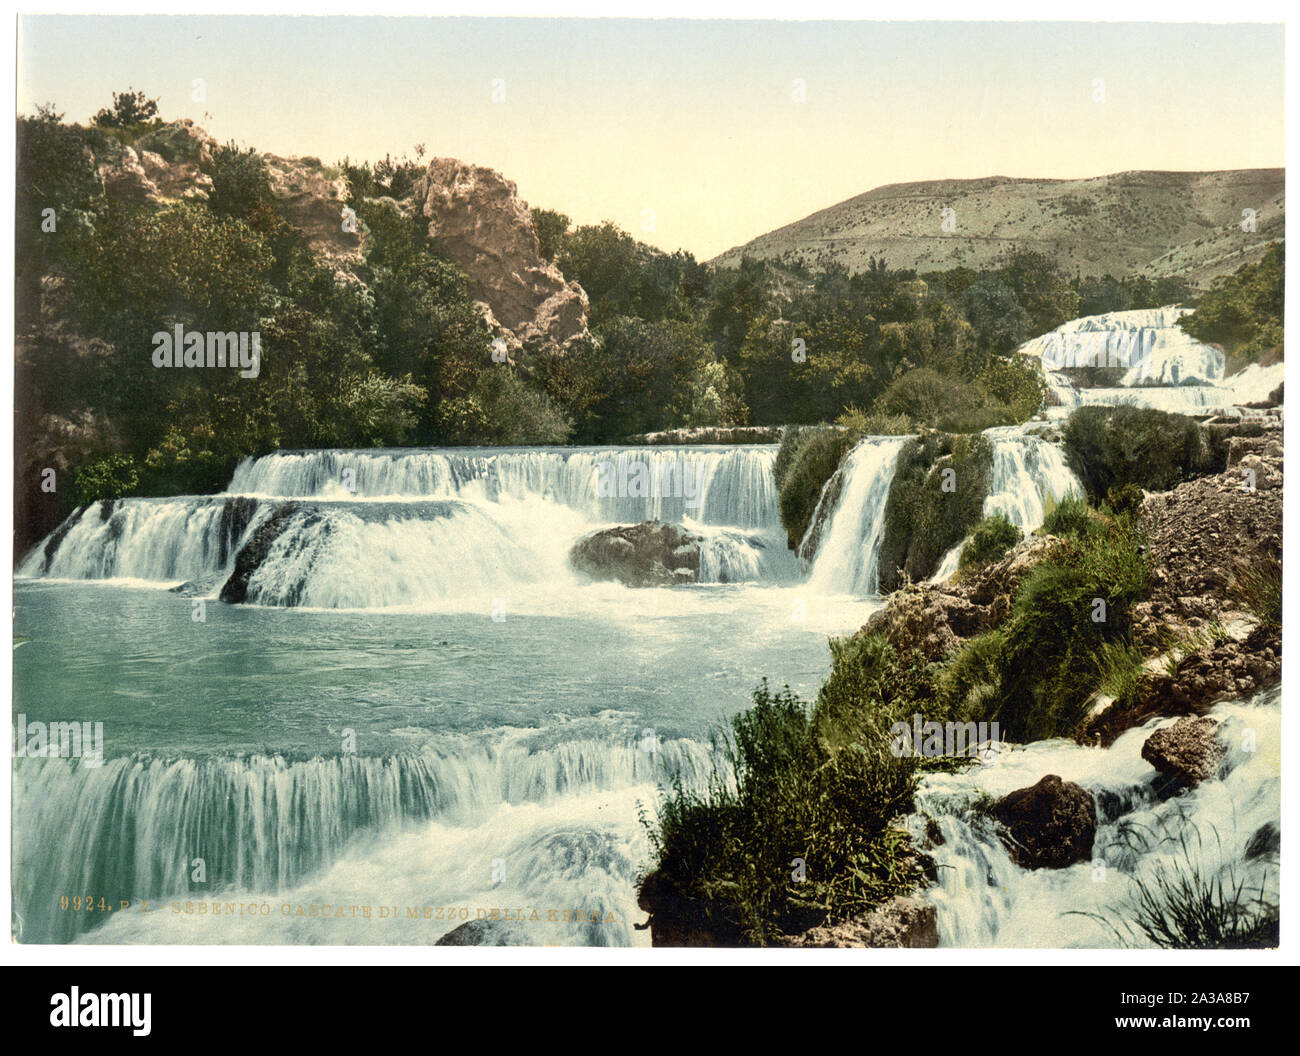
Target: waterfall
(131, 828)
(847, 559)
(378, 529)
(733, 485)
(1147, 343)
(1219, 830)
(162, 540)
(1164, 366)
(1026, 475)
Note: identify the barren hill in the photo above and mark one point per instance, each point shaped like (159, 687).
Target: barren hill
(1160, 223)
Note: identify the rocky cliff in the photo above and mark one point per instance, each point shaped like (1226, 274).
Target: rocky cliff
(475, 215)
(477, 218)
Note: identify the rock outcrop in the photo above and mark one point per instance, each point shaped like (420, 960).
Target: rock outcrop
(1049, 825)
(904, 922)
(1188, 752)
(250, 557)
(477, 218)
(313, 201)
(164, 164)
(487, 933)
(935, 618)
(649, 554)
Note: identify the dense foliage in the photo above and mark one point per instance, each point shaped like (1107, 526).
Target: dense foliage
(989, 540)
(1156, 450)
(1243, 311)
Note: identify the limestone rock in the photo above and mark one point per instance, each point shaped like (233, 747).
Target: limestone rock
(313, 202)
(904, 922)
(1187, 752)
(649, 554)
(1049, 825)
(478, 219)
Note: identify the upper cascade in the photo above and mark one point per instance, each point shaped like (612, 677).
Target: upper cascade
(724, 486)
(1163, 366)
(1147, 343)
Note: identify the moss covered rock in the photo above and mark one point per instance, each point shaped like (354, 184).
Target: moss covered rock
(936, 498)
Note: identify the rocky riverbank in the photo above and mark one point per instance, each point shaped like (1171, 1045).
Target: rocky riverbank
(1203, 628)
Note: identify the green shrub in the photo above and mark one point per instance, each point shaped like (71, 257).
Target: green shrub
(1072, 516)
(239, 181)
(1066, 611)
(875, 423)
(942, 401)
(1243, 312)
(727, 852)
(110, 477)
(992, 538)
(1188, 905)
(1124, 499)
(928, 510)
(1257, 588)
(805, 461)
(1113, 446)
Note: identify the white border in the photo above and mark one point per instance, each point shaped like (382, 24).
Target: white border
(918, 10)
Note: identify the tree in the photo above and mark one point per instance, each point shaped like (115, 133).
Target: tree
(130, 108)
(239, 181)
(1244, 312)
(551, 227)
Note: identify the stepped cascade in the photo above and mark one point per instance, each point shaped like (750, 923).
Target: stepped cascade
(384, 741)
(1173, 370)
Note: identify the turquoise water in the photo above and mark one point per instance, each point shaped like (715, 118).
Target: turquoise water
(374, 758)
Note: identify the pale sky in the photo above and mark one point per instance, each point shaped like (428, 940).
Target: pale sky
(695, 122)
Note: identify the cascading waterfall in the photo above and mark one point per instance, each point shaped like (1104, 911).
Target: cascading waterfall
(1164, 366)
(378, 529)
(1219, 831)
(264, 824)
(708, 485)
(1028, 473)
(847, 560)
(449, 531)
(162, 540)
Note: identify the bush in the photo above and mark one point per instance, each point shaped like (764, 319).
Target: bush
(1257, 588)
(1188, 903)
(1072, 516)
(110, 477)
(727, 852)
(1156, 450)
(924, 517)
(239, 181)
(1068, 609)
(805, 461)
(875, 423)
(992, 538)
(1243, 312)
(1124, 499)
(941, 401)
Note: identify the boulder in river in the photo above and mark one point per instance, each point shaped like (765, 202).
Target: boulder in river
(1049, 825)
(649, 554)
(1187, 752)
(904, 922)
(487, 932)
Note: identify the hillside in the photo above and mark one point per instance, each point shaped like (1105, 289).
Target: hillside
(1160, 223)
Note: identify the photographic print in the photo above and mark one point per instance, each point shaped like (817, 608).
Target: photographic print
(661, 483)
